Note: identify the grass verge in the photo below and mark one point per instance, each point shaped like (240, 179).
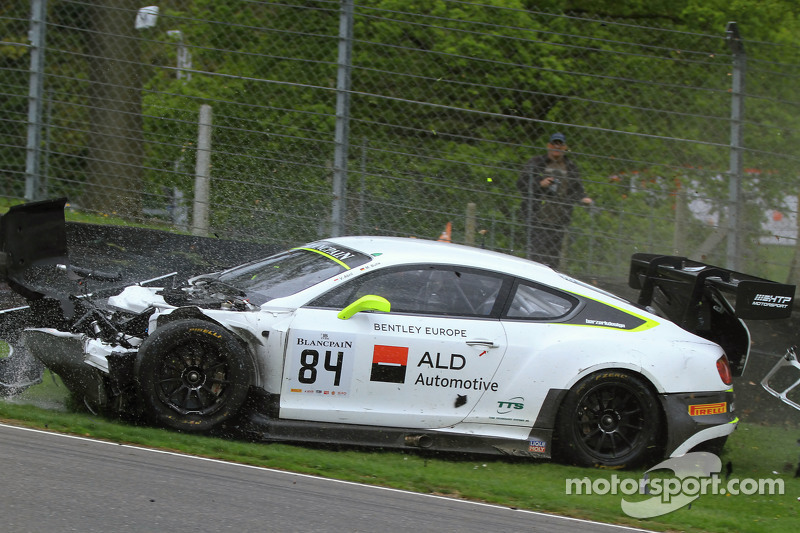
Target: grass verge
(755, 452)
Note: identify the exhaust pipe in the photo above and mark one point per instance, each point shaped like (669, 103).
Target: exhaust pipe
(419, 441)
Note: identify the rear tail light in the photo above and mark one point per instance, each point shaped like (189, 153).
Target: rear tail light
(724, 369)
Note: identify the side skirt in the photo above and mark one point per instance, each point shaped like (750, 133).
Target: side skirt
(261, 426)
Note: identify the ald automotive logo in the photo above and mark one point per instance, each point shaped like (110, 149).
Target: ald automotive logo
(694, 474)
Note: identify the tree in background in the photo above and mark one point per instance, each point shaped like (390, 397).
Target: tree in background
(114, 164)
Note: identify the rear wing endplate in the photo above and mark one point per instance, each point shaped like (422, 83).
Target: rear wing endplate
(32, 235)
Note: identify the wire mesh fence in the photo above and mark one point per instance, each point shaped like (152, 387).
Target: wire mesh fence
(397, 118)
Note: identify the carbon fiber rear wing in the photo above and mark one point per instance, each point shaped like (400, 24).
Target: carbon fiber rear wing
(710, 301)
(684, 285)
(31, 235)
(33, 245)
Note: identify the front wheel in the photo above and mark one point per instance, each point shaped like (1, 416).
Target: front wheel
(193, 374)
(610, 418)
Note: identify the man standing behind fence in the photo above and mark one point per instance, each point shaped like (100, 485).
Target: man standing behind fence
(550, 185)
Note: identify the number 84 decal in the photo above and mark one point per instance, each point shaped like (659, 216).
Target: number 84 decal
(322, 365)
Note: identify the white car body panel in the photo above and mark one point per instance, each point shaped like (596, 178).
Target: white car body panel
(398, 369)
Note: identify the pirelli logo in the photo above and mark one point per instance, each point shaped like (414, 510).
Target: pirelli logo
(207, 332)
(708, 409)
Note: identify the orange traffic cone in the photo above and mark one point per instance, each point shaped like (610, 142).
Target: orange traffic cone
(447, 233)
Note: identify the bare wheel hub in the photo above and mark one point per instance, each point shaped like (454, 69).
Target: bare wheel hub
(194, 377)
(609, 421)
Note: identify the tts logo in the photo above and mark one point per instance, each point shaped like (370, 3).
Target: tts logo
(505, 407)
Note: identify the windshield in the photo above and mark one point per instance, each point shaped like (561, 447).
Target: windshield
(292, 271)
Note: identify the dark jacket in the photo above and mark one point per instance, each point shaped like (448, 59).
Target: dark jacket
(549, 206)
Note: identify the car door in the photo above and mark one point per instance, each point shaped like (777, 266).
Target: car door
(535, 320)
(424, 364)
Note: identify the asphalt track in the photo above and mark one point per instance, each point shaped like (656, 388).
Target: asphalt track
(54, 482)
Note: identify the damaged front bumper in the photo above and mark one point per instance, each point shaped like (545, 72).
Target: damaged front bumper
(18, 370)
(97, 371)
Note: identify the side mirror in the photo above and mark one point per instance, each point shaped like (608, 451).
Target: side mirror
(370, 302)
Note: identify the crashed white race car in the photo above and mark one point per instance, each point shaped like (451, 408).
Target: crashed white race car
(397, 342)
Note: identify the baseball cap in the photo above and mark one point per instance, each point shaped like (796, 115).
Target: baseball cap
(558, 137)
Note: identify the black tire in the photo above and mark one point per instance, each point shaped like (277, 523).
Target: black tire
(609, 418)
(193, 375)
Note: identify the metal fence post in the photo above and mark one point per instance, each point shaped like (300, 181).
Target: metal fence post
(362, 192)
(342, 119)
(682, 215)
(35, 90)
(202, 173)
(470, 224)
(735, 168)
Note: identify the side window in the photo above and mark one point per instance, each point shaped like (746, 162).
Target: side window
(423, 289)
(403, 288)
(530, 301)
(461, 293)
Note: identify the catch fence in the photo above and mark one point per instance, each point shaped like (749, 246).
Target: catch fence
(283, 122)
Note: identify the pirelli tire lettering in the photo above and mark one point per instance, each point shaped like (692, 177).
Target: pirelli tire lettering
(206, 332)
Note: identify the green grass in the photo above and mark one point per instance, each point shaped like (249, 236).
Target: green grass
(756, 452)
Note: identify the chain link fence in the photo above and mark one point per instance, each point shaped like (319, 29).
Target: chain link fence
(283, 122)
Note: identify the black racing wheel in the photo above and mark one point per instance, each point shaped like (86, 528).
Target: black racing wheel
(193, 374)
(610, 418)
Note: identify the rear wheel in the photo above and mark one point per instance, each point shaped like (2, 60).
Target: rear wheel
(609, 418)
(193, 374)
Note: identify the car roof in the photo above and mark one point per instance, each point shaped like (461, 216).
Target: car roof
(403, 250)
(390, 251)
